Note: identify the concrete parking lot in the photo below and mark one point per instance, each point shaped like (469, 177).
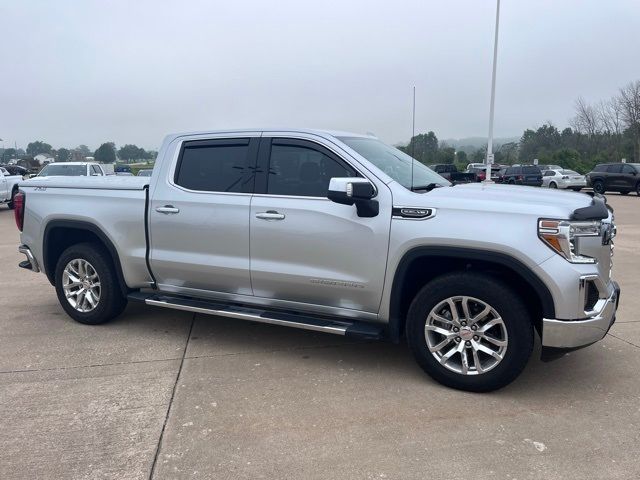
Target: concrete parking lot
(161, 394)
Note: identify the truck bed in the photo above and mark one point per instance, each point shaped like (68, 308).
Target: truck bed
(115, 205)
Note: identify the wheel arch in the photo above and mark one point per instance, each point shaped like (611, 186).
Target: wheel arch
(421, 264)
(61, 234)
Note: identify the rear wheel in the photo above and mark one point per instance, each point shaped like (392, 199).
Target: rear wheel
(598, 186)
(87, 285)
(553, 185)
(638, 189)
(470, 331)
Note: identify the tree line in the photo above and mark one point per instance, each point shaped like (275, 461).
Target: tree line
(606, 131)
(105, 153)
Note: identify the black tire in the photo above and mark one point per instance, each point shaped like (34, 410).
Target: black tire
(576, 189)
(512, 182)
(638, 189)
(111, 301)
(507, 304)
(625, 192)
(13, 194)
(553, 185)
(598, 186)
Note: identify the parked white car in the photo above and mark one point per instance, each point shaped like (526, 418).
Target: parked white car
(72, 169)
(8, 186)
(564, 179)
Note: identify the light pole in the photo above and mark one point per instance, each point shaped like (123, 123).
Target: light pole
(489, 159)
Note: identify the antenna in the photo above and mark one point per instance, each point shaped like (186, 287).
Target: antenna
(413, 133)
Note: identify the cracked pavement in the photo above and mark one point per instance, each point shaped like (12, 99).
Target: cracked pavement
(165, 394)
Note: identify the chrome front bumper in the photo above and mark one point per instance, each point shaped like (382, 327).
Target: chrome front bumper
(580, 333)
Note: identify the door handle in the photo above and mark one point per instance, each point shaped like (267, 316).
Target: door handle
(270, 215)
(167, 209)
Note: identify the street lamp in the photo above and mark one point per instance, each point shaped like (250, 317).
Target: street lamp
(489, 159)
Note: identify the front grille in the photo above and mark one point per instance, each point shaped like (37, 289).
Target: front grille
(591, 296)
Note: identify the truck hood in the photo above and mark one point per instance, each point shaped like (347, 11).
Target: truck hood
(506, 199)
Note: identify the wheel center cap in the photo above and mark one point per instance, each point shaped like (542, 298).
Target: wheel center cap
(86, 285)
(466, 333)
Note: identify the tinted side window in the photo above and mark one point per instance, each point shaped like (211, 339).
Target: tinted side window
(614, 168)
(531, 170)
(549, 173)
(628, 169)
(299, 170)
(213, 166)
(600, 168)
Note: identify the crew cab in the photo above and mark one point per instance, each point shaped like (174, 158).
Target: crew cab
(332, 232)
(8, 186)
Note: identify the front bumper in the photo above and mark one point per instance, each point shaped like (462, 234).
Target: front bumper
(580, 333)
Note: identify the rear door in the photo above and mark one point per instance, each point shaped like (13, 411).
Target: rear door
(613, 178)
(628, 177)
(199, 217)
(306, 248)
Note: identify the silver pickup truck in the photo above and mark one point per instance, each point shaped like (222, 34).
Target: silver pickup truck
(332, 232)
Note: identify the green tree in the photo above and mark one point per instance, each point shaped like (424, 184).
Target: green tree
(132, 152)
(106, 153)
(8, 154)
(63, 155)
(423, 147)
(37, 147)
(446, 155)
(461, 157)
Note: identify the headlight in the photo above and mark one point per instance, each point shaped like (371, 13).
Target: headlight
(560, 236)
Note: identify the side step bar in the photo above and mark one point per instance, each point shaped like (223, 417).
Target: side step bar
(347, 328)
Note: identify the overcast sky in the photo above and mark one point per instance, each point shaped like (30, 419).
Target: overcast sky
(131, 71)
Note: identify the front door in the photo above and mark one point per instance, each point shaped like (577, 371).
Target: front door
(199, 218)
(306, 248)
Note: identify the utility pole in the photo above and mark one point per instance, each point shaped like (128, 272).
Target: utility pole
(489, 159)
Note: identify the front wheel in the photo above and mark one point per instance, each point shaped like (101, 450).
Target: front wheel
(87, 285)
(470, 331)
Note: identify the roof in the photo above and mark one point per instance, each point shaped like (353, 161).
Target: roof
(71, 163)
(311, 131)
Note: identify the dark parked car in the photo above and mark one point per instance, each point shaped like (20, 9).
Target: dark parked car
(15, 169)
(523, 175)
(615, 177)
(451, 173)
(119, 168)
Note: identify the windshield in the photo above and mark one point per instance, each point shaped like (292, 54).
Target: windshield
(63, 170)
(395, 163)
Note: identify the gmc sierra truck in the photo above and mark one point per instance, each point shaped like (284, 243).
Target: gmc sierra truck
(337, 233)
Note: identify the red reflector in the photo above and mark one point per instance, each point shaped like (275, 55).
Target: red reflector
(18, 205)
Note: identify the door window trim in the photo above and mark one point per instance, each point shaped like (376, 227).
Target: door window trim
(264, 160)
(251, 161)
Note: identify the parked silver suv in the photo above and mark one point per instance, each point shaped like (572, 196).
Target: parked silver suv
(333, 232)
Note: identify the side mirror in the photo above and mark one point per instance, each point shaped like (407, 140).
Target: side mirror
(354, 191)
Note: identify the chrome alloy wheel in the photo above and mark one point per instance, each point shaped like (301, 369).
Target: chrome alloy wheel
(81, 285)
(466, 335)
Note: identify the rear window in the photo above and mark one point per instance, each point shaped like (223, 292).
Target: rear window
(569, 172)
(63, 170)
(213, 166)
(531, 169)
